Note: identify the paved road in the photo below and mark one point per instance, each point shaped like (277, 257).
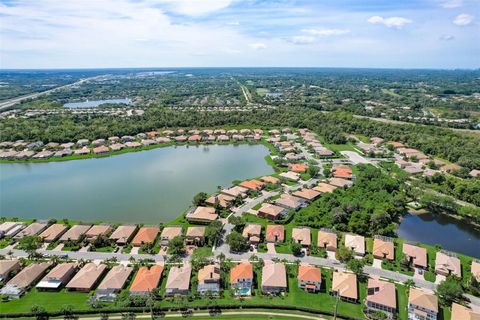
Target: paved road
(11, 102)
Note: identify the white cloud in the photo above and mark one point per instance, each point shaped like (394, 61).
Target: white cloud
(446, 37)
(258, 46)
(325, 32)
(392, 22)
(451, 4)
(302, 39)
(463, 19)
(197, 7)
(233, 23)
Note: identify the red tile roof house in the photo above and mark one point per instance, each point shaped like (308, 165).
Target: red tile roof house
(178, 281)
(101, 149)
(209, 279)
(254, 185)
(58, 276)
(252, 232)
(327, 239)
(271, 212)
(381, 296)
(145, 235)
(86, 279)
(123, 234)
(345, 285)
(113, 283)
(275, 233)
(383, 248)
(309, 278)
(297, 167)
(241, 279)
(416, 256)
(422, 305)
(302, 235)
(340, 171)
(146, 280)
(274, 278)
(447, 263)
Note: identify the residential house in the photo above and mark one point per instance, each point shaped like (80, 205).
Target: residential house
(415, 255)
(475, 269)
(236, 191)
(253, 185)
(7, 267)
(298, 167)
(58, 276)
(23, 280)
(383, 248)
(449, 168)
(447, 263)
(86, 279)
(96, 231)
(195, 236)
(32, 230)
(327, 239)
(271, 211)
(146, 280)
(178, 281)
(355, 243)
(340, 182)
(53, 233)
(464, 313)
(146, 235)
(241, 279)
(209, 279)
(308, 194)
(290, 202)
(275, 233)
(302, 235)
(113, 283)
(422, 305)
(381, 296)
(202, 215)
(342, 171)
(168, 233)
(10, 229)
(270, 179)
(123, 234)
(323, 187)
(344, 284)
(274, 278)
(252, 232)
(290, 175)
(221, 200)
(309, 278)
(75, 233)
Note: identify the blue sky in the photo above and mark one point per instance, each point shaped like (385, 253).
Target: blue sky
(209, 33)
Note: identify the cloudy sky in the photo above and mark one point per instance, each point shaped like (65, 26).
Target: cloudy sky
(174, 33)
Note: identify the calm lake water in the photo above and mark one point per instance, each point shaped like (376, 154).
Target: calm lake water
(95, 103)
(148, 186)
(451, 234)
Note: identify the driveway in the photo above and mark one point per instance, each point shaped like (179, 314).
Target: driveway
(439, 279)
(271, 248)
(331, 255)
(418, 274)
(355, 158)
(377, 263)
(135, 250)
(59, 247)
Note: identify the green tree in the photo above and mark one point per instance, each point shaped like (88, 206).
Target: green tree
(199, 199)
(344, 254)
(237, 242)
(213, 231)
(356, 266)
(296, 249)
(450, 290)
(175, 246)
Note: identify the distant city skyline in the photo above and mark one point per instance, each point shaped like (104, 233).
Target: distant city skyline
(226, 33)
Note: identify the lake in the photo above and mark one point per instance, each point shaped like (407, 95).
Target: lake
(95, 103)
(450, 233)
(140, 187)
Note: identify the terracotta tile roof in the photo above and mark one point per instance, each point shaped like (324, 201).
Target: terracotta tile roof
(32, 230)
(243, 270)
(123, 233)
(29, 274)
(252, 229)
(297, 167)
(381, 292)
(324, 187)
(418, 254)
(383, 249)
(289, 201)
(446, 263)
(6, 266)
(235, 191)
(423, 299)
(171, 232)
(274, 275)
(179, 278)
(75, 232)
(345, 284)
(209, 273)
(342, 172)
(270, 211)
(145, 235)
(340, 182)
(53, 232)
(116, 278)
(463, 313)
(275, 233)
(98, 230)
(307, 194)
(355, 242)
(222, 199)
(302, 235)
(270, 179)
(327, 239)
(252, 184)
(309, 273)
(476, 269)
(195, 231)
(86, 278)
(202, 214)
(146, 279)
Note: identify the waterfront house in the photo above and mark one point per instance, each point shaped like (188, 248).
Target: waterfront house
(162, 140)
(307, 194)
(475, 269)
(178, 281)
(464, 313)
(146, 280)
(58, 276)
(133, 144)
(82, 151)
(297, 167)
(209, 279)
(23, 280)
(221, 200)
(302, 235)
(202, 215)
(381, 296)
(31, 230)
(43, 154)
(113, 139)
(309, 278)
(98, 142)
(270, 179)
(7, 267)
(275, 233)
(235, 192)
(327, 239)
(447, 263)
(355, 243)
(101, 149)
(288, 202)
(344, 284)
(10, 229)
(241, 279)
(195, 138)
(123, 234)
(274, 278)
(415, 255)
(86, 279)
(254, 185)
(195, 236)
(340, 182)
(422, 305)
(53, 233)
(117, 146)
(290, 175)
(252, 232)
(383, 248)
(168, 233)
(271, 211)
(75, 232)
(113, 283)
(181, 138)
(81, 142)
(98, 230)
(222, 138)
(145, 235)
(323, 187)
